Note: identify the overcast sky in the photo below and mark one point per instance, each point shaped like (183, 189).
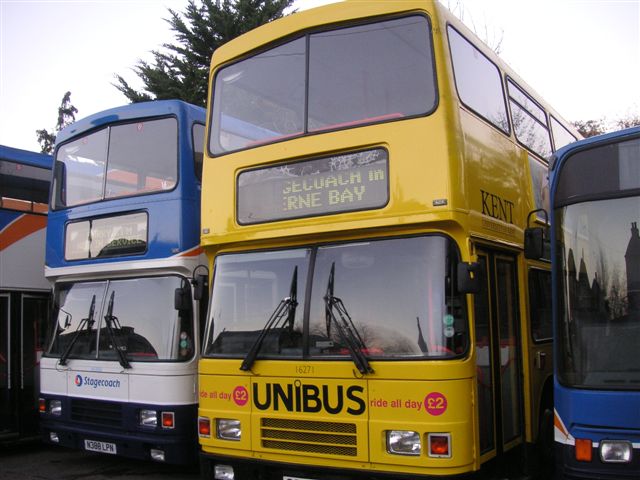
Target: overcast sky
(582, 56)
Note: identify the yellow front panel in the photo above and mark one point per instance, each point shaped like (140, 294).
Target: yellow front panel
(301, 416)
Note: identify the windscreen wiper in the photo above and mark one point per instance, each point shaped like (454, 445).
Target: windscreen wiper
(112, 321)
(85, 322)
(345, 327)
(284, 314)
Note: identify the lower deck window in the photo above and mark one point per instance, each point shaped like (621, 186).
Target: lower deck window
(392, 298)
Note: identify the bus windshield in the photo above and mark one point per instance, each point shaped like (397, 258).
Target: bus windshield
(117, 161)
(599, 327)
(385, 298)
(339, 78)
(129, 320)
(599, 280)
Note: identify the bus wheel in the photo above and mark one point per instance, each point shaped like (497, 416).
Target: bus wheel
(544, 444)
(206, 472)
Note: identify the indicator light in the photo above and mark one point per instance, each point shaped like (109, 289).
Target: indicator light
(168, 420)
(204, 427)
(583, 449)
(439, 445)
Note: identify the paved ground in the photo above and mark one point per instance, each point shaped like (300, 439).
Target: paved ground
(35, 461)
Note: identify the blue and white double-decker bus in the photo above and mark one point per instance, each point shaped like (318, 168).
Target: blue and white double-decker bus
(119, 372)
(595, 239)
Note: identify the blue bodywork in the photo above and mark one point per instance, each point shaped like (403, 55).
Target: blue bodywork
(588, 413)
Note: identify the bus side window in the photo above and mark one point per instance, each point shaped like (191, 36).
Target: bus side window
(540, 305)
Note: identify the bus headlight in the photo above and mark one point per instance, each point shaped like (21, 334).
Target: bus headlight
(615, 451)
(148, 418)
(403, 442)
(55, 407)
(228, 429)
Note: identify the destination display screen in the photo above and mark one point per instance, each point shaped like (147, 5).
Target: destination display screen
(108, 236)
(335, 184)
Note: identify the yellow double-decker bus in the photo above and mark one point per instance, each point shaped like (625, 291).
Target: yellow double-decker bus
(371, 168)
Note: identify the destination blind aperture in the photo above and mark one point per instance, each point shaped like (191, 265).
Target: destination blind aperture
(328, 185)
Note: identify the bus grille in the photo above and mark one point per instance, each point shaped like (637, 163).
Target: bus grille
(96, 412)
(325, 438)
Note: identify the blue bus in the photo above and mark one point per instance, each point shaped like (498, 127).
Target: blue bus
(24, 290)
(119, 372)
(595, 248)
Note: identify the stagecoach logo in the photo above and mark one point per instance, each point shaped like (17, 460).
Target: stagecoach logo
(96, 382)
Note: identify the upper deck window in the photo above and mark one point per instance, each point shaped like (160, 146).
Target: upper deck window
(24, 182)
(478, 81)
(327, 80)
(561, 136)
(529, 121)
(117, 161)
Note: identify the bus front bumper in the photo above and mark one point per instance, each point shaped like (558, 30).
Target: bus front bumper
(569, 468)
(172, 449)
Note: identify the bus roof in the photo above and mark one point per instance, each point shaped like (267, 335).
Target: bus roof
(591, 142)
(25, 157)
(123, 113)
(345, 12)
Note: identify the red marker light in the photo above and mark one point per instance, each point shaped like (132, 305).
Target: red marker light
(204, 427)
(439, 445)
(42, 405)
(168, 420)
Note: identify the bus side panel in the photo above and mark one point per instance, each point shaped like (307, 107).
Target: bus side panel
(22, 239)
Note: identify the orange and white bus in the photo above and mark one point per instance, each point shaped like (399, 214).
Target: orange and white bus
(25, 294)
(370, 170)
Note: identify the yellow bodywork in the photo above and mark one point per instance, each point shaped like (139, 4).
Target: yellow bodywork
(449, 172)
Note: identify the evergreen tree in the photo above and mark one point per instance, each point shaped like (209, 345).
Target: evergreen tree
(66, 116)
(182, 70)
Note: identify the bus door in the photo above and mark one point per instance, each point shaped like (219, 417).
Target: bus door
(7, 419)
(500, 399)
(34, 313)
(22, 323)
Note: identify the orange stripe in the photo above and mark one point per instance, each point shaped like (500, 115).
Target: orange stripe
(23, 205)
(20, 228)
(191, 253)
(558, 424)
